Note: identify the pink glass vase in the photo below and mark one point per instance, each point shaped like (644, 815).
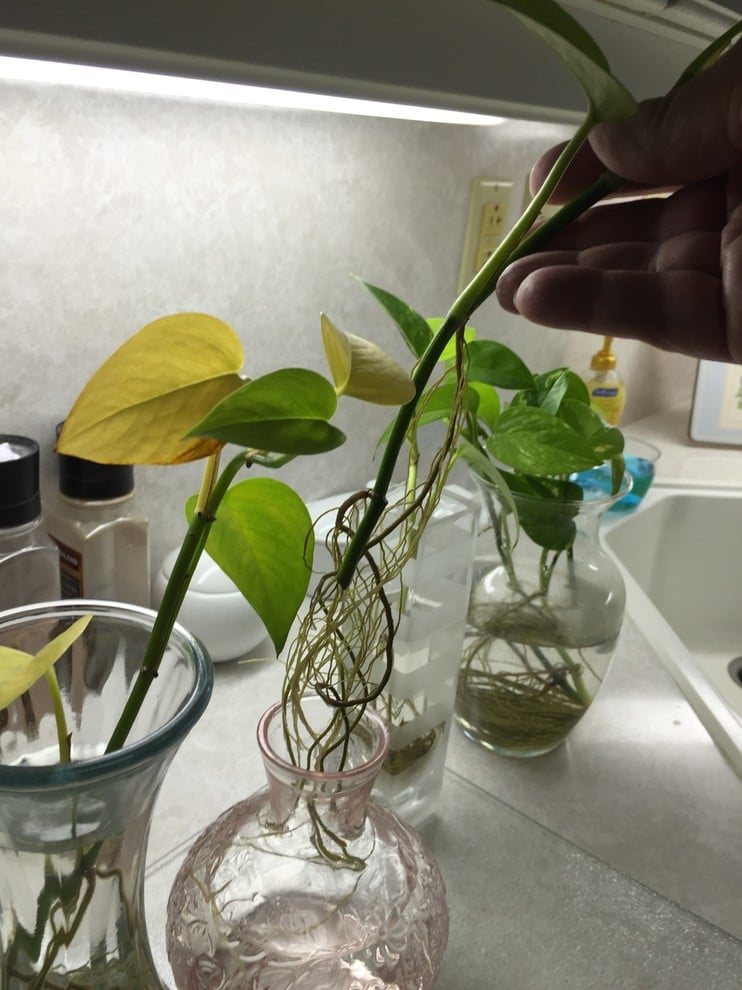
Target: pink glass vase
(309, 883)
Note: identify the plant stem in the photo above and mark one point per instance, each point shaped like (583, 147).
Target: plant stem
(604, 185)
(63, 736)
(483, 284)
(400, 427)
(475, 293)
(208, 480)
(211, 494)
(410, 485)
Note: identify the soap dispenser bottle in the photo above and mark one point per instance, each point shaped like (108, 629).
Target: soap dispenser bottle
(102, 536)
(605, 385)
(29, 559)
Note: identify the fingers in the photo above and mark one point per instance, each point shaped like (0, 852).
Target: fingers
(666, 271)
(695, 251)
(731, 267)
(639, 220)
(700, 207)
(693, 133)
(676, 311)
(583, 170)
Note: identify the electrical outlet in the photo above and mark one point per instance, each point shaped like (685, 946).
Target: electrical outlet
(487, 224)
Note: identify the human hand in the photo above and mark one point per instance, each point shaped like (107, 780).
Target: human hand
(665, 271)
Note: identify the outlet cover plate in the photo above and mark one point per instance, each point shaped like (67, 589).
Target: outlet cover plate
(489, 207)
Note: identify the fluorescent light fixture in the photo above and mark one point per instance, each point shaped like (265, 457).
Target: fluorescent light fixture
(181, 87)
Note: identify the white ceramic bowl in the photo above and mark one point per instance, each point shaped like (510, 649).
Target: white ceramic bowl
(214, 610)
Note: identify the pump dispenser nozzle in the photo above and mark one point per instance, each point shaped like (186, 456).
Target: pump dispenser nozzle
(604, 359)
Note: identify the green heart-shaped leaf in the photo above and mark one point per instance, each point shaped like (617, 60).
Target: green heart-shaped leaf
(488, 407)
(583, 419)
(548, 512)
(606, 441)
(495, 364)
(263, 540)
(534, 442)
(570, 42)
(414, 328)
(548, 522)
(551, 389)
(285, 411)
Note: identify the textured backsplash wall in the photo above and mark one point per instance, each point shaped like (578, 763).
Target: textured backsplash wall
(117, 209)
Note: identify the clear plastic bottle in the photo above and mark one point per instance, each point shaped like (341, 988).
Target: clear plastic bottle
(29, 559)
(102, 536)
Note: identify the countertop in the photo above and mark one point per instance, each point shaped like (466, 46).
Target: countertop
(613, 863)
(683, 461)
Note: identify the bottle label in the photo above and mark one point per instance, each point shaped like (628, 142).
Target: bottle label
(609, 401)
(70, 571)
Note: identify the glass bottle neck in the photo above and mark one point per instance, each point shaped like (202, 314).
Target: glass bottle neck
(340, 795)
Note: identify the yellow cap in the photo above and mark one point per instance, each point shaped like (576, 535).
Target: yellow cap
(604, 360)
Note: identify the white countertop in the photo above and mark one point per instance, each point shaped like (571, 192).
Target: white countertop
(682, 461)
(613, 863)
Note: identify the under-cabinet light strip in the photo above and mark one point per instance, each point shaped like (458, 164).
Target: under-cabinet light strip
(181, 87)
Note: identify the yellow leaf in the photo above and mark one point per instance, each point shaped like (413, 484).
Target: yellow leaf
(141, 402)
(362, 370)
(19, 671)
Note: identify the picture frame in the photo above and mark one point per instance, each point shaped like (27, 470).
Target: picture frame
(716, 413)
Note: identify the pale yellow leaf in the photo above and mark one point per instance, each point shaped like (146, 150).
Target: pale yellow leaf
(337, 352)
(19, 671)
(363, 370)
(141, 402)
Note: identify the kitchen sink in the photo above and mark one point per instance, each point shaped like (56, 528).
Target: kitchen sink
(681, 556)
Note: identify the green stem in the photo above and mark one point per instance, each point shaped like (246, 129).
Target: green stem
(502, 541)
(410, 486)
(63, 736)
(273, 461)
(397, 436)
(193, 544)
(512, 247)
(559, 679)
(56, 893)
(580, 692)
(475, 293)
(604, 185)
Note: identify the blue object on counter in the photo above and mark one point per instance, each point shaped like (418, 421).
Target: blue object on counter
(642, 473)
(641, 458)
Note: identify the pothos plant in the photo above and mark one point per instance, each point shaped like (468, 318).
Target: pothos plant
(174, 393)
(344, 648)
(530, 445)
(527, 675)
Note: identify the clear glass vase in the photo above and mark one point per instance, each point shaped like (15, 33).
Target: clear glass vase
(417, 703)
(546, 608)
(309, 883)
(73, 836)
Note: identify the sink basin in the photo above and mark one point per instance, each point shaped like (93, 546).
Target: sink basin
(681, 556)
